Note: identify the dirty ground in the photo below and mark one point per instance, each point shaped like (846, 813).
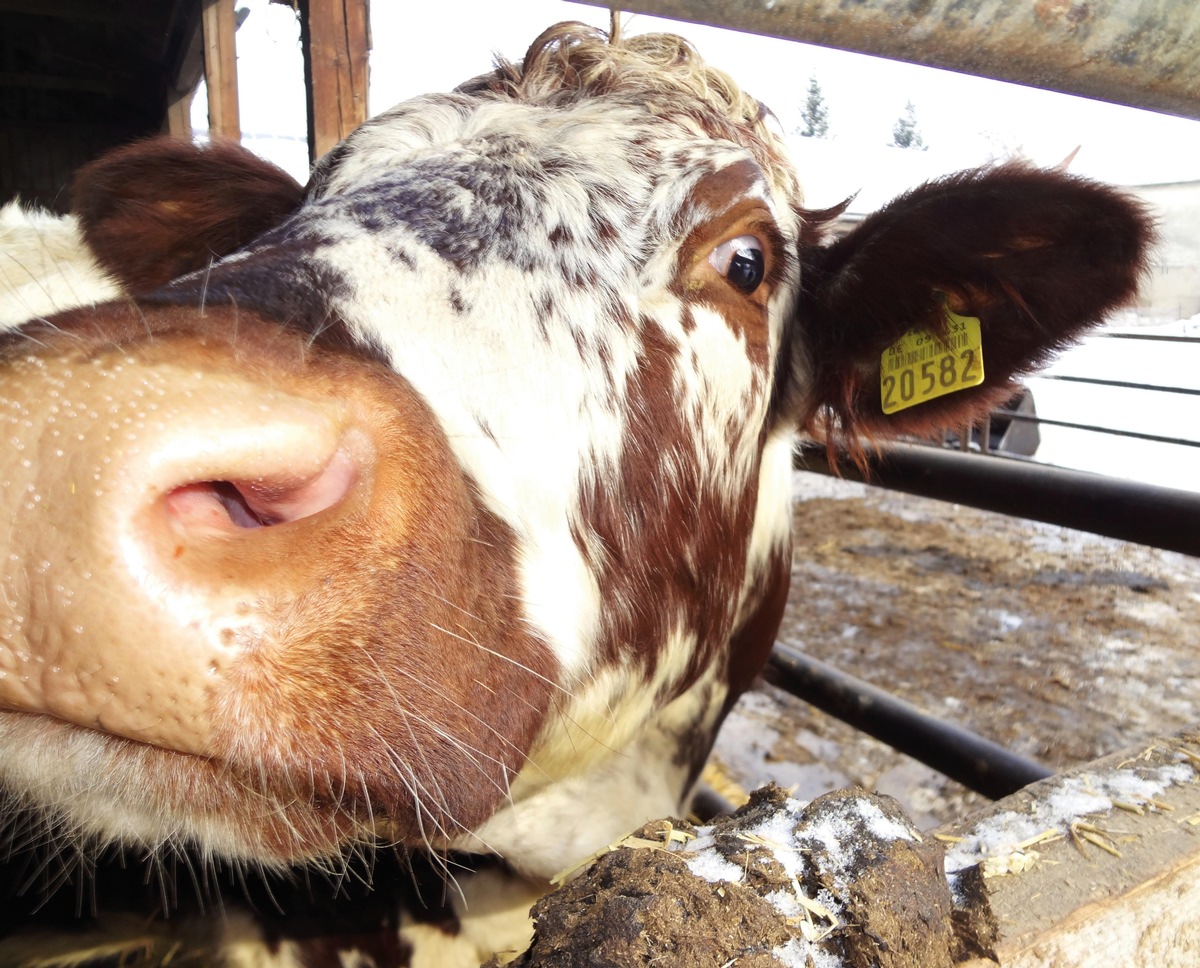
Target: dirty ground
(1059, 645)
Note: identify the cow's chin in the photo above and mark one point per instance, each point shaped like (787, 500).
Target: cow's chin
(74, 790)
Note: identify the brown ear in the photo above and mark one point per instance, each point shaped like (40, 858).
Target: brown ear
(157, 209)
(1037, 255)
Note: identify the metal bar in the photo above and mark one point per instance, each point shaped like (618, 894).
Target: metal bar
(973, 761)
(1137, 52)
(1133, 434)
(1120, 384)
(1162, 517)
(1153, 337)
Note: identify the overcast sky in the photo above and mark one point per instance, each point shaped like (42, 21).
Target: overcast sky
(420, 47)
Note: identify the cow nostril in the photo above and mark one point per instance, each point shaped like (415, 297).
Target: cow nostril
(241, 512)
(261, 502)
(215, 504)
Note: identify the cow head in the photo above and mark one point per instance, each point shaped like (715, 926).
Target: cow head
(448, 499)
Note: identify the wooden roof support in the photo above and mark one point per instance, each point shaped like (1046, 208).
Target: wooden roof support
(220, 68)
(182, 89)
(179, 115)
(336, 37)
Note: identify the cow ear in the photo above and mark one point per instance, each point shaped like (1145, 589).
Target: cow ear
(1035, 255)
(154, 210)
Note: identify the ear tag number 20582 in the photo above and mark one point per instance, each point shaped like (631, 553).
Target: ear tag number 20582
(922, 366)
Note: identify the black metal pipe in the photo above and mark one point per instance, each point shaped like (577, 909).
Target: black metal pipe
(1162, 517)
(1092, 428)
(1121, 384)
(1149, 337)
(973, 761)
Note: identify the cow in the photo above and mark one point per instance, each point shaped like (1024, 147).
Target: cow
(397, 541)
(45, 266)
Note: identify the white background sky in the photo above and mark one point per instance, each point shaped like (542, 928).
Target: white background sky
(421, 47)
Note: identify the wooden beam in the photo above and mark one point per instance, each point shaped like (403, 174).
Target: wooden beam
(189, 67)
(337, 43)
(220, 68)
(179, 115)
(56, 82)
(87, 10)
(1120, 885)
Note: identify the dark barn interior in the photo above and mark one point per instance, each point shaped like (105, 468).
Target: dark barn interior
(78, 78)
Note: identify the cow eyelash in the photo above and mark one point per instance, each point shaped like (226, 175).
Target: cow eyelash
(742, 261)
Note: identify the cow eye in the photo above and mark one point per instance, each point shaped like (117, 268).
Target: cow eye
(740, 261)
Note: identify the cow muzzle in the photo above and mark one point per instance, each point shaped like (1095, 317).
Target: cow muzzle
(166, 504)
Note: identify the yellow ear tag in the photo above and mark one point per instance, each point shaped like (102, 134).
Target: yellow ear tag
(920, 366)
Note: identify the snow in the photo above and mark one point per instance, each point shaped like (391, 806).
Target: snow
(799, 954)
(705, 862)
(1068, 799)
(834, 837)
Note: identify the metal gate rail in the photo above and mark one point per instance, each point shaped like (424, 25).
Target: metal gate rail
(1115, 384)
(1138, 52)
(960, 754)
(1093, 428)
(1163, 517)
(1157, 516)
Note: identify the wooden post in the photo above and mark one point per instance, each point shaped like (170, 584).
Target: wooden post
(1119, 884)
(220, 69)
(181, 91)
(179, 116)
(336, 38)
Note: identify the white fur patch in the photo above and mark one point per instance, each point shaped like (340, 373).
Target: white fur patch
(45, 267)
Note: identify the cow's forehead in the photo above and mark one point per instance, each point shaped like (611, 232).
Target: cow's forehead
(591, 200)
(540, 162)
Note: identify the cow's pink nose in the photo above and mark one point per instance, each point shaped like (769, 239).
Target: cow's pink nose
(261, 501)
(167, 513)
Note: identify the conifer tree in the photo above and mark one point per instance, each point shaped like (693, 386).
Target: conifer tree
(904, 131)
(814, 114)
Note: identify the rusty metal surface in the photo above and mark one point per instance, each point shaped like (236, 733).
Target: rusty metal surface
(1144, 53)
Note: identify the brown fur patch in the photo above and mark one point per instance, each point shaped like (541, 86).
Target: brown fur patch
(1037, 255)
(158, 209)
(666, 547)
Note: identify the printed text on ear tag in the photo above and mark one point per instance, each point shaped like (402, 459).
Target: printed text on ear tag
(922, 366)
